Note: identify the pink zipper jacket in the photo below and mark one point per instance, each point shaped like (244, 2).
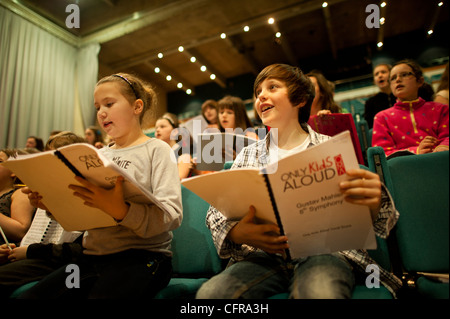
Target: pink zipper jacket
(406, 124)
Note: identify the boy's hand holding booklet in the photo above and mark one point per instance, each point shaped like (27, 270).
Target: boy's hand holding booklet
(50, 173)
(301, 194)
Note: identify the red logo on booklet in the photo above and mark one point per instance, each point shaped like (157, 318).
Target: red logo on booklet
(340, 167)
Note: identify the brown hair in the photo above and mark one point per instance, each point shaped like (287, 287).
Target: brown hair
(133, 89)
(183, 136)
(171, 118)
(388, 66)
(235, 104)
(425, 91)
(97, 133)
(326, 100)
(416, 68)
(39, 142)
(13, 152)
(210, 103)
(63, 138)
(300, 87)
(443, 85)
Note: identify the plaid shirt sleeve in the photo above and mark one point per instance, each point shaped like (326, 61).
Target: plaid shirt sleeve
(387, 216)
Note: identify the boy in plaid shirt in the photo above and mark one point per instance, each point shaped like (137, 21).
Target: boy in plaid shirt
(257, 268)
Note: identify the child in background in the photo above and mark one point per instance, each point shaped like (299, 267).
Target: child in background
(257, 269)
(166, 129)
(132, 259)
(32, 261)
(323, 102)
(16, 212)
(233, 115)
(35, 142)
(412, 124)
(442, 90)
(94, 137)
(210, 113)
(383, 99)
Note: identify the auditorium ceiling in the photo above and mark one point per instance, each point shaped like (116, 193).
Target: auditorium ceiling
(199, 41)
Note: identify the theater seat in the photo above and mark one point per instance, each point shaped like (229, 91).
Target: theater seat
(22, 289)
(195, 257)
(420, 188)
(418, 244)
(227, 165)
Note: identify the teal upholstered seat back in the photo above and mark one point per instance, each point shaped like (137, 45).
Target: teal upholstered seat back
(420, 187)
(192, 245)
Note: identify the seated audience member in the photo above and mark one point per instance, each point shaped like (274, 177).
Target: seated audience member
(53, 133)
(35, 142)
(324, 99)
(62, 138)
(233, 117)
(258, 268)
(442, 90)
(412, 124)
(16, 212)
(31, 261)
(426, 92)
(383, 99)
(210, 113)
(131, 259)
(167, 130)
(94, 136)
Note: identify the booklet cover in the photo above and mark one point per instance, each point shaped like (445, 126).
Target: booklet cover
(301, 194)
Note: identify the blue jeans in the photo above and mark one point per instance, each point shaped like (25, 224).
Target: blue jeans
(125, 275)
(262, 275)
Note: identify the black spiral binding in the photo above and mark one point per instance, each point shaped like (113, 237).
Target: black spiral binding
(68, 164)
(277, 215)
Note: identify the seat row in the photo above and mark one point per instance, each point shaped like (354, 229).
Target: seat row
(417, 250)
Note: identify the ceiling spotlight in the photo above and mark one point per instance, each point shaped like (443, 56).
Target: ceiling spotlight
(180, 48)
(246, 28)
(212, 76)
(160, 55)
(157, 70)
(325, 4)
(380, 44)
(168, 78)
(382, 20)
(383, 4)
(271, 20)
(193, 59)
(179, 85)
(223, 36)
(430, 32)
(278, 34)
(440, 4)
(188, 91)
(203, 68)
